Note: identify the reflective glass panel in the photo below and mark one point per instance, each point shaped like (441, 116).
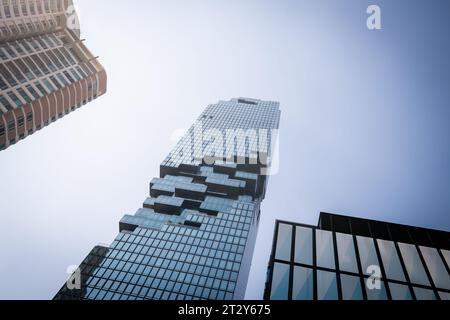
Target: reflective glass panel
(303, 285)
(413, 264)
(324, 249)
(326, 286)
(444, 295)
(284, 242)
(351, 287)
(391, 262)
(346, 253)
(367, 253)
(446, 255)
(399, 291)
(280, 282)
(303, 245)
(424, 294)
(436, 267)
(376, 293)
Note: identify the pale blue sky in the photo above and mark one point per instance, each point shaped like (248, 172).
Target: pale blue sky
(364, 129)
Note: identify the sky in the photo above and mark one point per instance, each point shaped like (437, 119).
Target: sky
(364, 127)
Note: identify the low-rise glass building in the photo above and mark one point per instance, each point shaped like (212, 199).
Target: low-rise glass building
(345, 258)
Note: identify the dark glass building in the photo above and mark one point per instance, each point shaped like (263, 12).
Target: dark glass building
(195, 234)
(346, 258)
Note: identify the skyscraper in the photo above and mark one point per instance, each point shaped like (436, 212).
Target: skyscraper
(349, 258)
(194, 236)
(46, 71)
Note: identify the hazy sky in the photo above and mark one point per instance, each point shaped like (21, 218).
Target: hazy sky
(364, 131)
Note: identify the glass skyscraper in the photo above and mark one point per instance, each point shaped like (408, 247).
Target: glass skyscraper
(195, 234)
(46, 71)
(346, 258)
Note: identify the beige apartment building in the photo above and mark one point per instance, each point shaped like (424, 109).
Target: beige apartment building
(46, 71)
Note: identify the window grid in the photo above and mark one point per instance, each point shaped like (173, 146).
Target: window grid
(413, 287)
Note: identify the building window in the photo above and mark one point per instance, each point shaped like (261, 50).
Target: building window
(3, 85)
(436, 267)
(400, 291)
(50, 87)
(20, 121)
(32, 9)
(55, 82)
(19, 76)
(280, 282)
(40, 88)
(413, 264)
(25, 70)
(304, 245)
(62, 79)
(325, 249)
(15, 99)
(75, 75)
(5, 103)
(32, 91)
(326, 285)
(446, 255)
(7, 75)
(444, 295)
(39, 7)
(284, 242)
(10, 51)
(24, 95)
(6, 8)
(351, 287)
(3, 55)
(367, 253)
(303, 285)
(424, 294)
(391, 261)
(11, 125)
(31, 65)
(16, 8)
(68, 76)
(376, 293)
(346, 253)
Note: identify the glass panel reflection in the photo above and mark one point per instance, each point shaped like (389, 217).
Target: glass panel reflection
(424, 294)
(399, 291)
(280, 282)
(346, 253)
(413, 264)
(376, 293)
(351, 288)
(436, 267)
(444, 295)
(303, 245)
(367, 253)
(326, 286)
(446, 255)
(303, 285)
(324, 249)
(391, 261)
(284, 242)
